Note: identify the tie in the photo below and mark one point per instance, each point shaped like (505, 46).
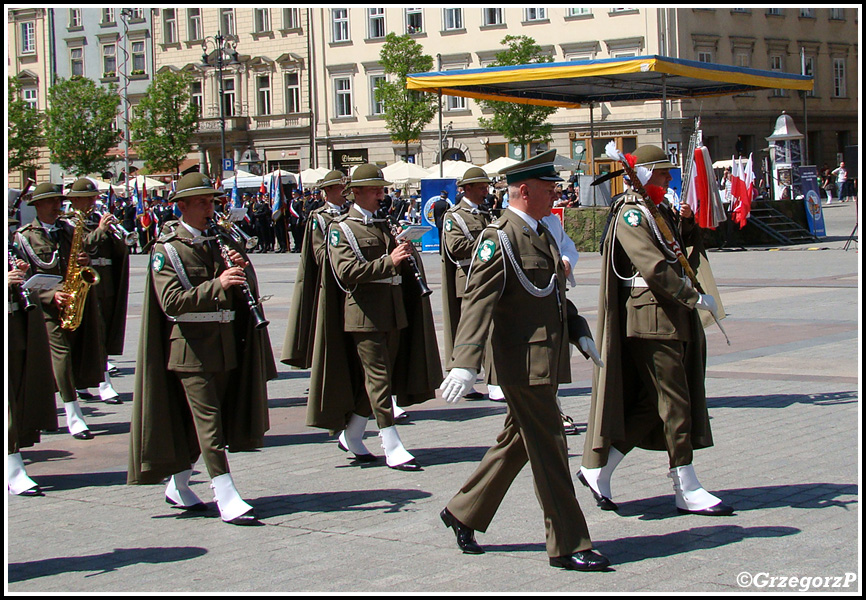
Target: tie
(542, 231)
(54, 234)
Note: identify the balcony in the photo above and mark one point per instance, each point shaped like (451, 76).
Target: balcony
(273, 122)
(212, 125)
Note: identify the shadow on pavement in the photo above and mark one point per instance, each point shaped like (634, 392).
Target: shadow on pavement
(100, 563)
(379, 500)
(783, 400)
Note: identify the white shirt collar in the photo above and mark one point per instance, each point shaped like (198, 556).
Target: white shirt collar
(195, 232)
(334, 206)
(533, 224)
(48, 227)
(470, 203)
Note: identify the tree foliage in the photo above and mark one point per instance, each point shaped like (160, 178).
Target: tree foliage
(407, 112)
(165, 122)
(80, 125)
(519, 123)
(24, 132)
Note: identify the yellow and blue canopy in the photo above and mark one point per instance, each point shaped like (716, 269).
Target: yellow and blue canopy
(570, 84)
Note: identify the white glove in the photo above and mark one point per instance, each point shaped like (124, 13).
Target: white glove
(458, 382)
(587, 346)
(707, 302)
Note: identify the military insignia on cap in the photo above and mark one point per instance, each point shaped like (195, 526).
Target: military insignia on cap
(486, 250)
(335, 238)
(449, 225)
(158, 262)
(633, 217)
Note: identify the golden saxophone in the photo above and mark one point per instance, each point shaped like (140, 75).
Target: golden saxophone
(78, 279)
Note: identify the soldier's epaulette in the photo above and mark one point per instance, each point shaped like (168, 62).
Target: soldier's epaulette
(169, 232)
(27, 227)
(497, 224)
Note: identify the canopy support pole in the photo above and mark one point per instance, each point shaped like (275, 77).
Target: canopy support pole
(440, 135)
(592, 149)
(664, 112)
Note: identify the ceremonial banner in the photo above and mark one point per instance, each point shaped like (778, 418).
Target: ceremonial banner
(812, 198)
(430, 189)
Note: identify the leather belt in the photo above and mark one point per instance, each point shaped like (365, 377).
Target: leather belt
(220, 316)
(636, 282)
(100, 262)
(395, 280)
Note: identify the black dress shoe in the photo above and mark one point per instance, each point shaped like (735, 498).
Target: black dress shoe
(248, 518)
(581, 561)
(407, 466)
(718, 510)
(83, 435)
(85, 395)
(116, 400)
(197, 507)
(365, 458)
(465, 535)
(602, 502)
(32, 492)
(474, 395)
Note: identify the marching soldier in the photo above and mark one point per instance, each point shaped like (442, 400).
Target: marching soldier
(300, 333)
(377, 337)
(461, 224)
(46, 244)
(30, 407)
(650, 392)
(109, 256)
(516, 286)
(202, 368)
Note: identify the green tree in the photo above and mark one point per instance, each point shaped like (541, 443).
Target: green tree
(165, 122)
(407, 112)
(80, 125)
(24, 132)
(519, 123)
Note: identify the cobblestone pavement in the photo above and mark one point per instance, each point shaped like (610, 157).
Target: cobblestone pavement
(785, 405)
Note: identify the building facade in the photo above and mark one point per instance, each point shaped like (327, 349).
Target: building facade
(296, 88)
(28, 46)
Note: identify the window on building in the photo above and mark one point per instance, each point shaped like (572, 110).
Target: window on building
(492, 16)
(263, 94)
(840, 87)
(375, 23)
(340, 25)
(30, 95)
(169, 29)
(76, 62)
(534, 13)
(452, 19)
(229, 99)
(196, 96)
(74, 17)
(743, 59)
(777, 64)
(109, 60)
(291, 18)
(377, 107)
(138, 58)
(137, 14)
(293, 93)
(414, 20)
(807, 13)
(108, 16)
(454, 102)
(837, 14)
(261, 20)
(705, 57)
(342, 97)
(809, 70)
(28, 37)
(227, 21)
(194, 26)
(776, 12)
(577, 12)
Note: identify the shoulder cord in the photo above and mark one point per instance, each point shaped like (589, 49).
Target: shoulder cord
(472, 264)
(462, 225)
(666, 248)
(177, 263)
(353, 244)
(32, 254)
(521, 276)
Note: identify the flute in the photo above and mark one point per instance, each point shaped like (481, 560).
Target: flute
(255, 306)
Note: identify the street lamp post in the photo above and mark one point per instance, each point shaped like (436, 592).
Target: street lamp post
(224, 54)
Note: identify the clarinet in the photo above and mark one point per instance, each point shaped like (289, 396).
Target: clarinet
(413, 266)
(255, 308)
(25, 301)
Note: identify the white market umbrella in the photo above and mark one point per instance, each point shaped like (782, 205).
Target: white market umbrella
(453, 169)
(496, 165)
(563, 163)
(403, 173)
(313, 176)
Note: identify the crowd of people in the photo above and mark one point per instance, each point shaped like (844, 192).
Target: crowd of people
(361, 320)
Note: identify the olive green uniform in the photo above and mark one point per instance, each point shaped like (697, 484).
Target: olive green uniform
(529, 347)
